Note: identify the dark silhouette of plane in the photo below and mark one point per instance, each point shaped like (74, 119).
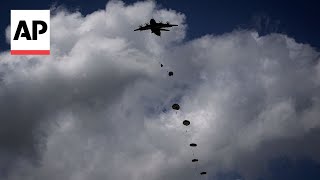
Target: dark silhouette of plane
(155, 27)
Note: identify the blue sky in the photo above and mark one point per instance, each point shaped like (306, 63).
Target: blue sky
(297, 19)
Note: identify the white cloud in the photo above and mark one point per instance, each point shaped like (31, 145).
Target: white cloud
(100, 106)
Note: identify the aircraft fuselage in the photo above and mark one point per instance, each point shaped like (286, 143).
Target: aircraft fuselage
(155, 27)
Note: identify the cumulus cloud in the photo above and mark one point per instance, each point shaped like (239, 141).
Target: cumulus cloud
(100, 106)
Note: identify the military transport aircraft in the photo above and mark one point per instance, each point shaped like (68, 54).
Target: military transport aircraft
(155, 27)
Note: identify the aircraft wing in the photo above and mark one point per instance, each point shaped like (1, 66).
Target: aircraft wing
(142, 28)
(162, 25)
(170, 25)
(161, 29)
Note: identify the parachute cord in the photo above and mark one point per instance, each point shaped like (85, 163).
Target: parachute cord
(195, 171)
(196, 163)
(159, 60)
(187, 142)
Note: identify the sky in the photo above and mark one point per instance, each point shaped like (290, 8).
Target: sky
(296, 18)
(246, 75)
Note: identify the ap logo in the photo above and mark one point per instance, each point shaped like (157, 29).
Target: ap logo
(30, 32)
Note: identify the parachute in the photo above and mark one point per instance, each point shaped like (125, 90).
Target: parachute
(194, 160)
(186, 122)
(193, 145)
(175, 106)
